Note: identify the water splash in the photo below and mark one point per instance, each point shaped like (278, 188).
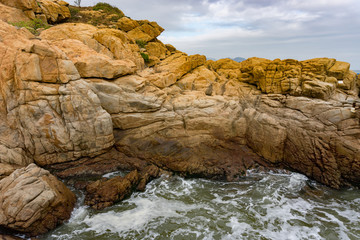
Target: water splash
(261, 206)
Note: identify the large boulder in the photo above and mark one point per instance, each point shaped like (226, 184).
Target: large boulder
(146, 31)
(10, 14)
(54, 10)
(51, 11)
(102, 194)
(33, 201)
(110, 42)
(126, 24)
(91, 64)
(316, 78)
(339, 70)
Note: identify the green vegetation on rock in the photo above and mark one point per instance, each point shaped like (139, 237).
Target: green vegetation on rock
(108, 9)
(140, 43)
(32, 25)
(102, 14)
(73, 11)
(145, 57)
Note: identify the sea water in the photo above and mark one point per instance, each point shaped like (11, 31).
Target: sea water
(260, 206)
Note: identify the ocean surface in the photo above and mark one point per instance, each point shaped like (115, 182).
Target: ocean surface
(260, 206)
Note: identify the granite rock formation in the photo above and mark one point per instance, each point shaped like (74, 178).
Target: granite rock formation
(33, 201)
(51, 11)
(81, 100)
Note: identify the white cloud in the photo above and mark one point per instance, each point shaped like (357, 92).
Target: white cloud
(266, 28)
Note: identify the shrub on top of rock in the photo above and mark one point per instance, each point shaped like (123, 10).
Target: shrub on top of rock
(108, 9)
(33, 25)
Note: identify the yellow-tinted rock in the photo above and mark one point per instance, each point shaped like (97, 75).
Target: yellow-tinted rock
(315, 78)
(20, 4)
(127, 24)
(120, 45)
(227, 68)
(179, 64)
(53, 10)
(137, 34)
(152, 61)
(318, 89)
(110, 42)
(10, 14)
(317, 65)
(171, 48)
(92, 13)
(339, 70)
(201, 79)
(349, 81)
(80, 31)
(91, 64)
(156, 49)
(147, 31)
(250, 63)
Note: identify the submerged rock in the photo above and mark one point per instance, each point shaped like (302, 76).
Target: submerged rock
(104, 193)
(33, 201)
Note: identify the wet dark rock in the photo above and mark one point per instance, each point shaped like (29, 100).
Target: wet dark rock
(104, 193)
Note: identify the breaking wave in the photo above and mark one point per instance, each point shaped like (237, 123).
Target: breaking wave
(260, 206)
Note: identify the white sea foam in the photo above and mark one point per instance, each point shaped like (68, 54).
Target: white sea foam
(114, 174)
(274, 207)
(146, 210)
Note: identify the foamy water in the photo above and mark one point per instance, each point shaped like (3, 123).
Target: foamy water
(261, 206)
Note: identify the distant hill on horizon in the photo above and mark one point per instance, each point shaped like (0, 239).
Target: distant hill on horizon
(237, 59)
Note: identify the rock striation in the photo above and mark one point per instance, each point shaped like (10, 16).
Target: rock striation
(51, 11)
(33, 201)
(83, 101)
(51, 113)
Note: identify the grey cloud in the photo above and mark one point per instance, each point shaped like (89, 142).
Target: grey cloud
(268, 28)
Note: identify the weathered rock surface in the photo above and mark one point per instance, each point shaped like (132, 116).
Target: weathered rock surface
(110, 42)
(102, 194)
(146, 31)
(51, 11)
(181, 115)
(110, 161)
(91, 64)
(33, 201)
(10, 14)
(49, 114)
(7, 169)
(77, 91)
(105, 192)
(315, 78)
(126, 24)
(9, 237)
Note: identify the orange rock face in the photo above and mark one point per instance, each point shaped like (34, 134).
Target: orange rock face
(51, 11)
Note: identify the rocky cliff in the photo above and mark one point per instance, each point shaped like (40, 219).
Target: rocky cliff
(80, 100)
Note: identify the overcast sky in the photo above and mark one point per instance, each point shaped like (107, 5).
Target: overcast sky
(299, 29)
